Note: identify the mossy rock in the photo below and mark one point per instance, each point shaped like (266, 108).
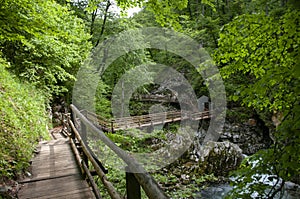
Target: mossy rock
(220, 158)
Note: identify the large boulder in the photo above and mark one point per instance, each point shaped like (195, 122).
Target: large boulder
(220, 158)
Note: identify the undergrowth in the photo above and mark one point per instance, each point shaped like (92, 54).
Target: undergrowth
(135, 141)
(23, 122)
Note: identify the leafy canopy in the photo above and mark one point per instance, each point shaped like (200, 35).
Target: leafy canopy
(262, 50)
(43, 41)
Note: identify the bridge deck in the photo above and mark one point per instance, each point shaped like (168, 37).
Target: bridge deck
(55, 174)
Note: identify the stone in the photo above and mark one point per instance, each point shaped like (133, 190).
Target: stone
(220, 157)
(250, 138)
(291, 186)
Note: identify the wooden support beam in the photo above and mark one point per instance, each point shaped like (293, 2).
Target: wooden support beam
(133, 188)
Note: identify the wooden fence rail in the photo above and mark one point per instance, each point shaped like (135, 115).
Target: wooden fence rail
(111, 125)
(136, 176)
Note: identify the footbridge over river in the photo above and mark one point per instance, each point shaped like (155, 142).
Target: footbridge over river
(140, 121)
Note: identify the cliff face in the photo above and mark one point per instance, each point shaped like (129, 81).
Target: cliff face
(250, 137)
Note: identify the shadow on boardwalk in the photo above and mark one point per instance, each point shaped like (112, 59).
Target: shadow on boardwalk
(55, 173)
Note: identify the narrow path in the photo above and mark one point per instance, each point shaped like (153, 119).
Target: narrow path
(55, 173)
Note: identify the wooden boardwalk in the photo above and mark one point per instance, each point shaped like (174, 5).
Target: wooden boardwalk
(55, 173)
(56, 169)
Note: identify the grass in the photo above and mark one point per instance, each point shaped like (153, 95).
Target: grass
(23, 123)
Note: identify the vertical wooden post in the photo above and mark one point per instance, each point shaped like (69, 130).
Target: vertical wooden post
(112, 125)
(133, 187)
(84, 138)
(139, 121)
(72, 118)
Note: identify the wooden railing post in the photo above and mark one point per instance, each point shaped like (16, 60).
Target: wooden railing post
(72, 118)
(112, 125)
(84, 138)
(133, 188)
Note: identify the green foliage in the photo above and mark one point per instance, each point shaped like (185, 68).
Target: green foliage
(263, 51)
(130, 69)
(238, 115)
(165, 13)
(258, 53)
(23, 122)
(259, 58)
(43, 41)
(175, 188)
(136, 141)
(287, 143)
(117, 177)
(102, 102)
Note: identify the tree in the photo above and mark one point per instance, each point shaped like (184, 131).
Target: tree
(44, 43)
(258, 54)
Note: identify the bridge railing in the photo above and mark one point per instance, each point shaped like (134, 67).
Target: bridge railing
(134, 180)
(111, 125)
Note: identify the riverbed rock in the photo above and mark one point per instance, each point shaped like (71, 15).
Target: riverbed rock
(250, 138)
(220, 158)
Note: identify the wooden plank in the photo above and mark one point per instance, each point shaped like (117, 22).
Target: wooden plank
(58, 147)
(56, 142)
(81, 193)
(56, 152)
(46, 188)
(55, 174)
(43, 178)
(59, 165)
(49, 156)
(56, 167)
(60, 157)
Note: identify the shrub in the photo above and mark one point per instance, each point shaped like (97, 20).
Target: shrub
(23, 122)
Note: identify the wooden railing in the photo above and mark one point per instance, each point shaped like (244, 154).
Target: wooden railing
(111, 125)
(156, 98)
(85, 157)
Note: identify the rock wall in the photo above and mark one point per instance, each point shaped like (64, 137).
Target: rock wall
(250, 137)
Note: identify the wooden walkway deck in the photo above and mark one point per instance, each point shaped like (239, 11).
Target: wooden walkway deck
(55, 173)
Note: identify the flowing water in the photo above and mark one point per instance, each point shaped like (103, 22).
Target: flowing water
(219, 191)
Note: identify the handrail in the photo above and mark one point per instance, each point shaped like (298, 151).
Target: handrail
(84, 168)
(144, 120)
(111, 190)
(150, 186)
